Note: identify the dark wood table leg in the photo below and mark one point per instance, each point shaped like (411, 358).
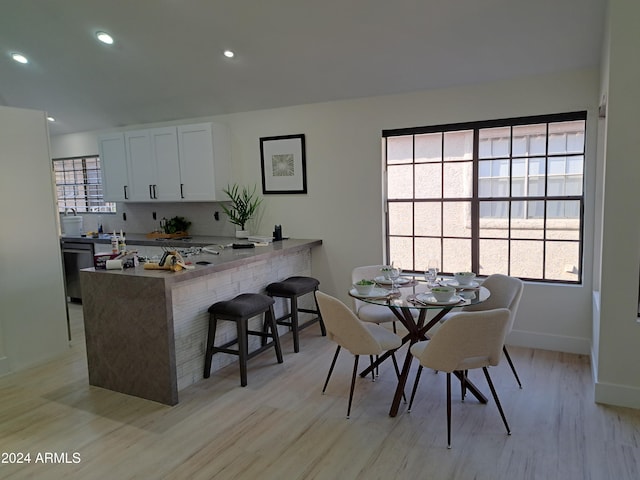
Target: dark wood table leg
(472, 388)
(415, 335)
(402, 381)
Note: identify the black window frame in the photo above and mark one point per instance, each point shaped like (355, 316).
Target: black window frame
(476, 199)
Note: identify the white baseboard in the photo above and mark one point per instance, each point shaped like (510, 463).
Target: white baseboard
(619, 395)
(606, 393)
(556, 343)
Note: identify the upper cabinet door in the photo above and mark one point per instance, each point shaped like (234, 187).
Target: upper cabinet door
(164, 145)
(195, 145)
(141, 165)
(113, 163)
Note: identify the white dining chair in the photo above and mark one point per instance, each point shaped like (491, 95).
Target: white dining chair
(506, 292)
(466, 341)
(360, 338)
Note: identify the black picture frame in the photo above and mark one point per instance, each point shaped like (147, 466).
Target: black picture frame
(284, 164)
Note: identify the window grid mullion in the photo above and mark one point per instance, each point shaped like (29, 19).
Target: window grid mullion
(413, 203)
(475, 204)
(441, 217)
(510, 204)
(546, 194)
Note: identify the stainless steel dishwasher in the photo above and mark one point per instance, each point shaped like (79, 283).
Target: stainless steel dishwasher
(75, 257)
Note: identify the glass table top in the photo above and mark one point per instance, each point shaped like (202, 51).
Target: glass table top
(417, 294)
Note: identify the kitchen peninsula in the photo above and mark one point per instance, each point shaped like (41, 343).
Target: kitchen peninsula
(146, 329)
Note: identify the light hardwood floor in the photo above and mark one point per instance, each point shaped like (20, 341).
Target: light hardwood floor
(281, 427)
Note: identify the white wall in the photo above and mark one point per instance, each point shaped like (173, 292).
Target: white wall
(343, 206)
(618, 347)
(32, 300)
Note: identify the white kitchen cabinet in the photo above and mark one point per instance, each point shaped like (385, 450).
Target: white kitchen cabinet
(204, 167)
(113, 163)
(140, 165)
(171, 164)
(154, 172)
(164, 143)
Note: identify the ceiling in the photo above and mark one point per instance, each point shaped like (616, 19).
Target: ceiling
(167, 63)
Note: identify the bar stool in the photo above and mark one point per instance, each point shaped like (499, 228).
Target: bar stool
(293, 288)
(240, 309)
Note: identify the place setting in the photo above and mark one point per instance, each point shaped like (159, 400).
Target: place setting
(461, 281)
(369, 289)
(446, 292)
(439, 296)
(384, 286)
(391, 276)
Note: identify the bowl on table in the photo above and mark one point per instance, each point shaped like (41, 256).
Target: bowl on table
(443, 294)
(464, 278)
(364, 287)
(386, 271)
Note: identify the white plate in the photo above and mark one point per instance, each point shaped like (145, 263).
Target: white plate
(456, 284)
(385, 281)
(375, 293)
(431, 300)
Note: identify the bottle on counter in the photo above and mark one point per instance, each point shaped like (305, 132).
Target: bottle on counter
(122, 246)
(114, 243)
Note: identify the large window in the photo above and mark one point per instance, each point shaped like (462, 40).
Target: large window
(501, 196)
(79, 185)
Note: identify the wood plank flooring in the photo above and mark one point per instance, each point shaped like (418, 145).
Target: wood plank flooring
(281, 427)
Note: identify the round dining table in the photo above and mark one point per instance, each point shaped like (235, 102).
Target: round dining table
(409, 296)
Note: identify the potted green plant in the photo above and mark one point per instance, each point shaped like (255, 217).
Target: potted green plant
(244, 205)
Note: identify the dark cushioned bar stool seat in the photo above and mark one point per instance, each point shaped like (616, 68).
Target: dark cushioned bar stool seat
(240, 309)
(292, 288)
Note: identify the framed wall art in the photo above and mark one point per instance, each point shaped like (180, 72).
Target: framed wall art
(284, 166)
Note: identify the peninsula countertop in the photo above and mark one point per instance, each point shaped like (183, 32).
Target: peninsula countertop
(228, 258)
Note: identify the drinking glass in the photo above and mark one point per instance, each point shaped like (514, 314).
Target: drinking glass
(431, 273)
(385, 271)
(394, 274)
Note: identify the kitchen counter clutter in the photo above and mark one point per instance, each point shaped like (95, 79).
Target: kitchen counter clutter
(142, 239)
(146, 329)
(228, 258)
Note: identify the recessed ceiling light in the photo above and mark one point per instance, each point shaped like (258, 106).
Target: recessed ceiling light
(104, 37)
(229, 54)
(18, 57)
(51, 119)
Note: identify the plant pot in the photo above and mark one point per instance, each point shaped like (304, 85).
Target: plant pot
(242, 233)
